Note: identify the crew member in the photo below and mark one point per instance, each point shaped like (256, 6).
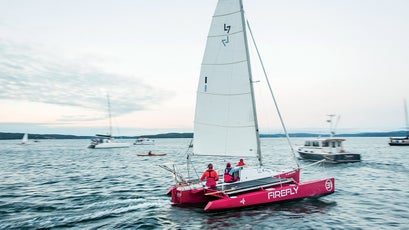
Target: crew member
(229, 174)
(241, 163)
(211, 176)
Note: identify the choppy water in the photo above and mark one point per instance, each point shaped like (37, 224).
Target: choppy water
(62, 184)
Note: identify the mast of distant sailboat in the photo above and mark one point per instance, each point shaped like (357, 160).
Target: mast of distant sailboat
(332, 128)
(406, 117)
(109, 115)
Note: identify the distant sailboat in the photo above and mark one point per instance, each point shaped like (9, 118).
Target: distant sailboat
(107, 141)
(402, 141)
(24, 140)
(226, 125)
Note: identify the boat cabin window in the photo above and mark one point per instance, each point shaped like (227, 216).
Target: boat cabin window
(332, 144)
(316, 144)
(307, 143)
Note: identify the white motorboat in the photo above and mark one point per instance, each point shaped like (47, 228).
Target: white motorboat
(329, 149)
(144, 141)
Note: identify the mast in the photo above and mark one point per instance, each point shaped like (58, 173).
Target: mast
(251, 85)
(109, 115)
(406, 117)
(331, 129)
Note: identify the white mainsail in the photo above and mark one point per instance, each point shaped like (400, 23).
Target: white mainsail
(225, 119)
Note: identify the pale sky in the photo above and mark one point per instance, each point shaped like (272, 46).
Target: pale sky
(59, 59)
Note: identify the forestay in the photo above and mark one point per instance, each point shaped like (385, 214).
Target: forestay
(225, 119)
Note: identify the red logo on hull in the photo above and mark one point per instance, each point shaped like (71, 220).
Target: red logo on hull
(328, 185)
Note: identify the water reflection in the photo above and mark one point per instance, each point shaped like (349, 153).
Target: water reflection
(243, 218)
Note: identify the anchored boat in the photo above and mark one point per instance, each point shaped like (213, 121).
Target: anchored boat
(144, 141)
(226, 125)
(106, 141)
(330, 150)
(402, 141)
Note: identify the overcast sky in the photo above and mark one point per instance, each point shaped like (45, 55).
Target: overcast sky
(59, 60)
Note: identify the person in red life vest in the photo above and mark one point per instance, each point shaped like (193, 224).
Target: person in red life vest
(229, 174)
(211, 176)
(227, 177)
(241, 163)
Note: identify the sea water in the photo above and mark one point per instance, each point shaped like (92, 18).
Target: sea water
(63, 184)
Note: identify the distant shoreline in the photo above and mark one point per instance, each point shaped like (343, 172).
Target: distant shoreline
(16, 136)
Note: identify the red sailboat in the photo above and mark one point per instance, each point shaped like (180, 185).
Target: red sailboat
(226, 126)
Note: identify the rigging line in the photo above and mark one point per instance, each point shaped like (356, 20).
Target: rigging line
(315, 163)
(272, 95)
(189, 163)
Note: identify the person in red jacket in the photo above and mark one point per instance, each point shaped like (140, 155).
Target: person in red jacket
(241, 163)
(211, 176)
(230, 174)
(227, 176)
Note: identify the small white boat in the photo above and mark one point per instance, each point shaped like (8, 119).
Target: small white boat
(329, 149)
(144, 141)
(402, 141)
(106, 142)
(399, 141)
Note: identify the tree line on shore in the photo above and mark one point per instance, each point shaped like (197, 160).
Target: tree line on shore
(14, 136)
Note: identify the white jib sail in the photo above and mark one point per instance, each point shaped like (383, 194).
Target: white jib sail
(225, 122)
(24, 140)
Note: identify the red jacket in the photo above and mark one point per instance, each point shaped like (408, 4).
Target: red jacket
(211, 177)
(227, 177)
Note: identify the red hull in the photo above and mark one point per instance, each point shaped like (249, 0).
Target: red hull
(272, 195)
(216, 200)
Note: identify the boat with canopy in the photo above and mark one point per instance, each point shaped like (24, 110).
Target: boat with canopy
(329, 150)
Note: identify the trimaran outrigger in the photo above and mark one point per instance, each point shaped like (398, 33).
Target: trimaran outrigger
(226, 125)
